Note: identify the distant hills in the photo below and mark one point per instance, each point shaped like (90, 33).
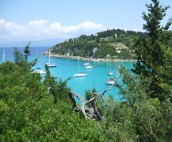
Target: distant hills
(36, 43)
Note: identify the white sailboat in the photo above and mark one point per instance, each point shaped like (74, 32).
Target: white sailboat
(80, 74)
(87, 64)
(110, 73)
(111, 81)
(49, 64)
(89, 67)
(40, 71)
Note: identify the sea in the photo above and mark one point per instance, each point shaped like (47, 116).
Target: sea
(65, 68)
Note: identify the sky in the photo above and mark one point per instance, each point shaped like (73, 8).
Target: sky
(51, 19)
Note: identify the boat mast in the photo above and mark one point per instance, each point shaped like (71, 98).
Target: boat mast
(49, 56)
(110, 67)
(78, 64)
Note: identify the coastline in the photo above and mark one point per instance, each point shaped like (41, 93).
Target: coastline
(91, 59)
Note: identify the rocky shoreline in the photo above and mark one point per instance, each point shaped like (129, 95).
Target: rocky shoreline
(92, 59)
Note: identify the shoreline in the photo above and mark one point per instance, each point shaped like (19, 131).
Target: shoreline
(92, 59)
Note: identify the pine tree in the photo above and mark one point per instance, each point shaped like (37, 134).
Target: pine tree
(154, 56)
(27, 50)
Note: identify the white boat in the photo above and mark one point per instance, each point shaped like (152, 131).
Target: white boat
(41, 71)
(80, 74)
(49, 64)
(111, 81)
(119, 67)
(110, 73)
(89, 67)
(86, 63)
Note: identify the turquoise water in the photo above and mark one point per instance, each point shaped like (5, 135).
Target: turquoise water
(96, 77)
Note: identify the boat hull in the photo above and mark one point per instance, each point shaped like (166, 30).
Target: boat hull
(111, 81)
(80, 74)
(50, 65)
(40, 71)
(110, 73)
(89, 67)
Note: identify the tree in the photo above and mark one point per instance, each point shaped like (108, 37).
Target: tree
(147, 92)
(21, 59)
(154, 56)
(27, 51)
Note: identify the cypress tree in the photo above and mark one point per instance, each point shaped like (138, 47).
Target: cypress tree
(27, 50)
(154, 55)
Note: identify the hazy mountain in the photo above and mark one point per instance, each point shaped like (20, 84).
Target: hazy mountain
(38, 43)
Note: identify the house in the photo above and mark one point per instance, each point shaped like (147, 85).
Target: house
(119, 46)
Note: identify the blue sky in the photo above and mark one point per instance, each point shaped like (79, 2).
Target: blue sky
(46, 19)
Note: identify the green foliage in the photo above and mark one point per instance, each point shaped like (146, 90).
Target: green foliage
(147, 90)
(154, 56)
(49, 80)
(28, 112)
(147, 116)
(59, 89)
(27, 51)
(89, 94)
(21, 60)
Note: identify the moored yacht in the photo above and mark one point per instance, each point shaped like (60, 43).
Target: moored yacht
(49, 64)
(111, 81)
(110, 73)
(89, 67)
(79, 74)
(40, 71)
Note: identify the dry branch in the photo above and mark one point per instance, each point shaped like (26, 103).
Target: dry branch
(89, 111)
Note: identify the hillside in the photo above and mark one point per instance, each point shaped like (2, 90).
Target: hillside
(118, 44)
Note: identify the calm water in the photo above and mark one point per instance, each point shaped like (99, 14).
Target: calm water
(96, 77)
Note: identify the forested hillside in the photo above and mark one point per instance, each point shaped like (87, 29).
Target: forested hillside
(111, 43)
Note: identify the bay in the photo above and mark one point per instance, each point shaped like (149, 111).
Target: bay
(96, 77)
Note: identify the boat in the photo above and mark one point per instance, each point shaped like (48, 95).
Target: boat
(111, 81)
(89, 67)
(40, 71)
(80, 74)
(110, 73)
(87, 64)
(49, 64)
